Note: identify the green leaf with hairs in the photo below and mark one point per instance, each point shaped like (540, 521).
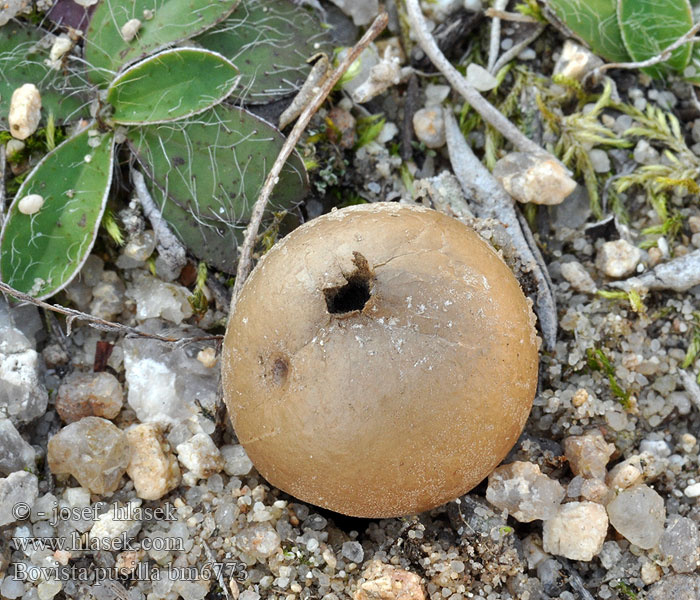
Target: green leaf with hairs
(595, 22)
(106, 51)
(40, 253)
(171, 85)
(648, 27)
(22, 61)
(270, 42)
(206, 175)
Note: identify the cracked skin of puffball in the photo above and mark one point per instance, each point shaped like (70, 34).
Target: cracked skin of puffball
(399, 406)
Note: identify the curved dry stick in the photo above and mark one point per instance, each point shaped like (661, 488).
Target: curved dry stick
(495, 39)
(490, 200)
(245, 258)
(662, 56)
(96, 322)
(488, 111)
(509, 55)
(171, 251)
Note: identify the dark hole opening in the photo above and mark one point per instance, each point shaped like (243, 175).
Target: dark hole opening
(280, 368)
(349, 297)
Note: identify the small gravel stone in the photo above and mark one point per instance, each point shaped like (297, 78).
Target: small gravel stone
(577, 531)
(353, 551)
(61, 45)
(108, 296)
(435, 95)
(549, 572)
(93, 450)
(588, 454)
(522, 490)
(200, 456)
(18, 491)
(25, 111)
(600, 160)
(692, 491)
(236, 461)
(575, 273)
(594, 490)
(115, 523)
(89, 394)
(638, 514)
(15, 453)
(137, 250)
(618, 258)
(625, 474)
(155, 298)
(385, 582)
(676, 587)
(13, 147)
(11, 8)
(383, 75)
(166, 385)
(530, 178)
(645, 154)
(259, 540)
(680, 543)
(694, 221)
(207, 356)
(480, 79)
(23, 397)
(361, 11)
(153, 467)
(650, 572)
(48, 589)
(11, 588)
(429, 126)
(576, 61)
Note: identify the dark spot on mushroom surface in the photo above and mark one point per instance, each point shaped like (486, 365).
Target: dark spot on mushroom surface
(280, 370)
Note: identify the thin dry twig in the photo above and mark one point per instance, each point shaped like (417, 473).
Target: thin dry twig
(495, 39)
(490, 200)
(2, 185)
(245, 258)
(488, 112)
(509, 16)
(170, 250)
(509, 55)
(678, 274)
(97, 323)
(663, 56)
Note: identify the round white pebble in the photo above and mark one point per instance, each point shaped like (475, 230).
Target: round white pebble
(31, 204)
(692, 491)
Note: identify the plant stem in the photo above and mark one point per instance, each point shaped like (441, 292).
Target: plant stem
(245, 259)
(509, 55)
(663, 56)
(2, 185)
(490, 201)
(169, 247)
(495, 39)
(488, 112)
(96, 322)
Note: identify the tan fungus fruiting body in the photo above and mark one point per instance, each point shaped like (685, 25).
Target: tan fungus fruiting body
(402, 404)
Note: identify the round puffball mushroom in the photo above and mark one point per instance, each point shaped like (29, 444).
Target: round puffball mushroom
(381, 360)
